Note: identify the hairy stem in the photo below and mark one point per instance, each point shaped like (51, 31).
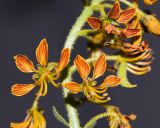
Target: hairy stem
(94, 119)
(70, 41)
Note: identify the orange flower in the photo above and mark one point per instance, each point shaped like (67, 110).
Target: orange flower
(88, 86)
(115, 16)
(150, 2)
(34, 119)
(45, 72)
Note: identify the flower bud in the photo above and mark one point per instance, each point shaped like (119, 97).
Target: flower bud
(152, 23)
(150, 2)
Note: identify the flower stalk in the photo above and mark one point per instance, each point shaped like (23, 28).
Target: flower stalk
(70, 41)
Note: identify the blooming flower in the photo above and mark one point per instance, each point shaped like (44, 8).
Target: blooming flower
(45, 72)
(34, 119)
(115, 17)
(88, 86)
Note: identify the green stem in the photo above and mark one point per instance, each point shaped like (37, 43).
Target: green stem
(94, 119)
(112, 57)
(81, 20)
(70, 41)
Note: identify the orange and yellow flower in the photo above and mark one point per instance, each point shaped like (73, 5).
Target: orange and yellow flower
(88, 86)
(34, 119)
(111, 23)
(45, 72)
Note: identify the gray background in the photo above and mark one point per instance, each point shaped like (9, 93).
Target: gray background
(23, 23)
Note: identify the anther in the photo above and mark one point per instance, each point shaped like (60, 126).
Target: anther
(108, 98)
(105, 94)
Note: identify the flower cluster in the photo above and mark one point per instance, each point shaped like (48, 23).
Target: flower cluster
(111, 24)
(119, 30)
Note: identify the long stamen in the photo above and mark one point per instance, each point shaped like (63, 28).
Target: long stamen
(45, 86)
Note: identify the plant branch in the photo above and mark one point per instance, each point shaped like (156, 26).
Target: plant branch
(70, 41)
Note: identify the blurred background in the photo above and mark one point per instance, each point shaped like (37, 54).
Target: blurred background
(23, 23)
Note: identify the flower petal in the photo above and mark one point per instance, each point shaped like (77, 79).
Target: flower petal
(111, 29)
(39, 120)
(24, 64)
(72, 86)
(115, 11)
(42, 52)
(134, 24)
(126, 15)
(21, 89)
(95, 23)
(112, 81)
(128, 33)
(100, 66)
(82, 66)
(24, 124)
(65, 55)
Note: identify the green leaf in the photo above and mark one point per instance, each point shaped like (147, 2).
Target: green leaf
(122, 73)
(59, 117)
